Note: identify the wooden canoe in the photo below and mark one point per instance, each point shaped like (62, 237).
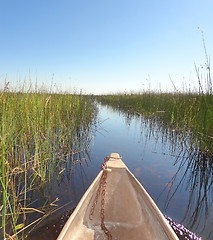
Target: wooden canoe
(129, 211)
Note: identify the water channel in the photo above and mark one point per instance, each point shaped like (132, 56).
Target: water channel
(179, 181)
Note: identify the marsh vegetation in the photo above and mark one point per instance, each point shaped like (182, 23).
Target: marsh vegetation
(39, 130)
(43, 132)
(190, 113)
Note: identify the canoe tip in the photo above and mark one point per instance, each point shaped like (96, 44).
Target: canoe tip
(114, 155)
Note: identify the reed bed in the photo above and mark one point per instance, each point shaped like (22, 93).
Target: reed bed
(192, 113)
(189, 112)
(37, 130)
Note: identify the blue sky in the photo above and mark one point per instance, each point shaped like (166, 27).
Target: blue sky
(104, 46)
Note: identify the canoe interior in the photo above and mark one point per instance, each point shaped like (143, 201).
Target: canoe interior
(130, 213)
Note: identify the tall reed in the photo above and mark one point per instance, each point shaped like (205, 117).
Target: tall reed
(189, 112)
(37, 130)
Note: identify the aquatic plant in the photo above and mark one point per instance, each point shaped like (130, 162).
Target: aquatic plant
(188, 112)
(38, 129)
(182, 232)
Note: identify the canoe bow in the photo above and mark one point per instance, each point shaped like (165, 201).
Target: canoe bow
(129, 211)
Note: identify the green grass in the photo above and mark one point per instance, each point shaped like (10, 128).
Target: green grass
(189, 112)
(37, 131)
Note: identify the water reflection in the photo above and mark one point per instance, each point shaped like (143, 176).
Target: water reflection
(68, 187)
(191, 179)
(178, 178)
(51, 229)
(196, 170)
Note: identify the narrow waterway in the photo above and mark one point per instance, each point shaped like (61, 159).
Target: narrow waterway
(179, 181)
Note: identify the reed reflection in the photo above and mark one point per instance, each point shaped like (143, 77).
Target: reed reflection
(193, 178)
(195, 169)
(67, 188)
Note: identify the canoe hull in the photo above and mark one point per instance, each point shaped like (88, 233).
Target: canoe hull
(129, 212)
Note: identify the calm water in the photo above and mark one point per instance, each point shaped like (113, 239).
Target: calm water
(173, 176)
